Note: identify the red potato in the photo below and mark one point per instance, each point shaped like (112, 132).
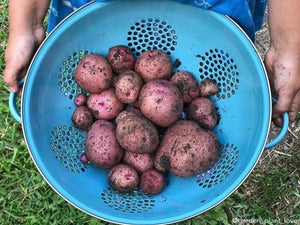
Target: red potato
(123, 178)
(120, 58)
(127, 86)
(187, 149)
(203, 111)
(93, 73)
(82, 118)
(137, 134)
(128, 112)
(186, 84)
(80, 99)
(153, 64)
(208, 87)
(105, 105)
(152, 182)
(141, 162)
(102, 147)
(161, 102)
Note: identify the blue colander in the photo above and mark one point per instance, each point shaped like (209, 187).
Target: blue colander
(205, 43)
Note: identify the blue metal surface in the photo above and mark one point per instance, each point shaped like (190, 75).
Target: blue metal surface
(191, 36)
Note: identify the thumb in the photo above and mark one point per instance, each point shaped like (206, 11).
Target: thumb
(11, 77)
(283, 103)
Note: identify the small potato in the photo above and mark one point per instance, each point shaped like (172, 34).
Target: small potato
(105, 105)
(80, 99)
(127, 86)
(82, 118)
(137, 134)
(152, 182)
(121, 58)
(123, 178)
(153, 64)
(161, 102)
(93, 73)
(102, 147)
(208, 87)
(203, 111)
(128, 112)
(141, 162)
(185, 82)
(187, 149)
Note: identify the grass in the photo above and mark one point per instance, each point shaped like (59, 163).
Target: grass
(270, 194)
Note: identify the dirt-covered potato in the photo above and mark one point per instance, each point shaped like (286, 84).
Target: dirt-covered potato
(82, 118)
(185, 82)
(161, 102)
(102, 147)
(141, 162)
(80, 99)
(208, 87)
(152, 182)
(105, 105)
(120, 58)
(123, 178)
(203, 111)
(127, 86)
(137, 134)
(93, 73)
(131, 111)
(153, 64)
(187, 149)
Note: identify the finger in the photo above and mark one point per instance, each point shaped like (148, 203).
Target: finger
(11, 77)
(295, 107)
(284, 102)
(278, 121)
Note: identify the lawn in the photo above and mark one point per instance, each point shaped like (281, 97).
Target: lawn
(271, 194)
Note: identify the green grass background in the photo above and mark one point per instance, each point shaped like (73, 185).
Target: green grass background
(270, 194)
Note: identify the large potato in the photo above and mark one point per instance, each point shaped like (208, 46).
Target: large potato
(137, 134)
(153, 64)
(161, 102)
(186, 149)
(102, 147)
(93, 73)
(105, 105)
(131, 111)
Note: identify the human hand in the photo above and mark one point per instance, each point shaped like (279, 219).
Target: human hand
(18, 54)
(283, 67)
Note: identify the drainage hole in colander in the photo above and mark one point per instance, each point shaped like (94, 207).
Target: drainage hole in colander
(217, 65)
(66, 81)
(223, 167)
(67, 145)
(148, 34)
(134, 202)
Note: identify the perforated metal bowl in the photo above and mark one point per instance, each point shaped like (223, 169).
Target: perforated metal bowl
(203, 42)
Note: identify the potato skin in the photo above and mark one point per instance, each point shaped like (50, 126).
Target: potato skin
(105, 105)
(161, 102)
(203, 111)
(153, 64)
(121, 58)
(137, 134)
(132, 111)
(127, 86)
(152, 182)
(82, 118)
(187, 149)
(141, 162)
(123, 178)
(185, 82)
(93, 73)
(102, 147)
(208, 87)
(80, 99)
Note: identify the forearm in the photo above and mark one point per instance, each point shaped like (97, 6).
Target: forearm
(284, 22)
(26, 15)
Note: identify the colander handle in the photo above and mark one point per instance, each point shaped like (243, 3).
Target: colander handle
(281, 134)
(13, 105)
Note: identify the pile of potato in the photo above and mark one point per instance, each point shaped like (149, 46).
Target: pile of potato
(142, 121)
